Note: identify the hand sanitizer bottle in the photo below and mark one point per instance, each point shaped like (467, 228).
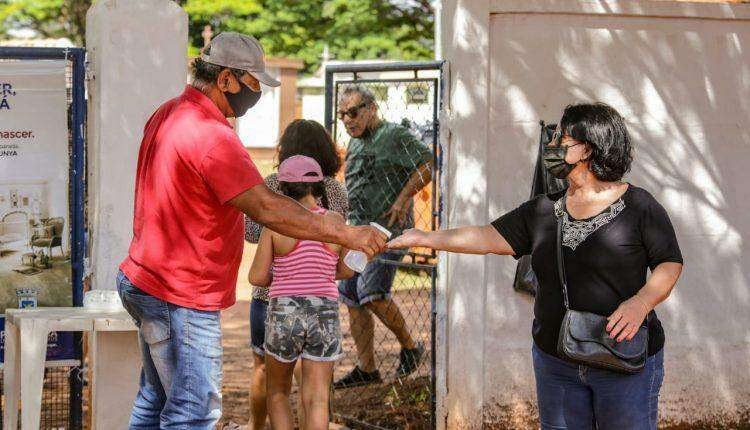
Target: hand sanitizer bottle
(357, 260)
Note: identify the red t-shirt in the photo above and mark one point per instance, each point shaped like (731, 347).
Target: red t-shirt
(187, 240)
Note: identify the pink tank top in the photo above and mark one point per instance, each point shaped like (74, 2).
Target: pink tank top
(307, 270)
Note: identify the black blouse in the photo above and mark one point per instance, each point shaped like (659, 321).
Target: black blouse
(606, 257)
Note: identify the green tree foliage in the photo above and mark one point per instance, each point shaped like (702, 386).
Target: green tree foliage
(353, 29)
(49, 18)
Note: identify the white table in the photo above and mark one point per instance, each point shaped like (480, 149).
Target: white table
(114, 361)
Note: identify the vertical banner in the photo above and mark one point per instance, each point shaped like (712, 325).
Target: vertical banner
(35, 265)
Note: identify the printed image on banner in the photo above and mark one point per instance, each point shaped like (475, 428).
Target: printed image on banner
(35, 266)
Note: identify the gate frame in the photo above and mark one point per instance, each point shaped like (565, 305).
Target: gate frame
(437, 183)
(77, 184)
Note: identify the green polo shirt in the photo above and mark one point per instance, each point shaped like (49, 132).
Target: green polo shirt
(378, 167)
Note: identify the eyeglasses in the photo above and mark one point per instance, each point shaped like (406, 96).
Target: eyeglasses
(351, 112)
(557, 138)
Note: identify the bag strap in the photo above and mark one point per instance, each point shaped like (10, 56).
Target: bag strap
(561, 266)
(537, 181)
(560, 261)
(540, 159)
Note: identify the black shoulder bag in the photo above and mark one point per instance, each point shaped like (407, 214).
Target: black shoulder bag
(583, 336)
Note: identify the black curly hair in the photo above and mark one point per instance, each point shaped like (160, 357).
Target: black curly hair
(309, 138)
(205, 73)
(603, 130)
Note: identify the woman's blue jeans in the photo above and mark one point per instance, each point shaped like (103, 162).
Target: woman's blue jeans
(577, 397)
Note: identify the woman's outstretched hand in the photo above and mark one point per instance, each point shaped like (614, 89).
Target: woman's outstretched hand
(408, 239)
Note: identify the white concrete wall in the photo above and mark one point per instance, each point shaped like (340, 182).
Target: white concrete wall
(259, 128)
(680, 74)
(137, 50)
(313, 105)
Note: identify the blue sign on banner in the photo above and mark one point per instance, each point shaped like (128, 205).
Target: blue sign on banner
(5, 94)
(59, 344)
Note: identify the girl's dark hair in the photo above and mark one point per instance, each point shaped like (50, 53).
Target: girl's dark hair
(309, 138)
(298, 190)
(603, 130)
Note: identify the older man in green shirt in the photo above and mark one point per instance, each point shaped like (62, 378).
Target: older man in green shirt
(386, 165)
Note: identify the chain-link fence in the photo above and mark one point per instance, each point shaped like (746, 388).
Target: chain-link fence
(56, 396)
(62, 399)
(386, 118)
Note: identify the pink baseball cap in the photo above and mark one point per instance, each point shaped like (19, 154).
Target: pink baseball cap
(299, 168)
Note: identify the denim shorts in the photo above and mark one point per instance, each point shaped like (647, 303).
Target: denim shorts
(374, 283)
(576, 397)
(306, 327)
(258, 312)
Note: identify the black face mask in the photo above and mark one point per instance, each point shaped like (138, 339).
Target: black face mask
(242, 100)
(554, 161)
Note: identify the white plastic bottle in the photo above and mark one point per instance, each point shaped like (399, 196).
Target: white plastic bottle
(103, 300)
(357, 260)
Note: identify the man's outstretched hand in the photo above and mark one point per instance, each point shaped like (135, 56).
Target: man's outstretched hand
(364, 238)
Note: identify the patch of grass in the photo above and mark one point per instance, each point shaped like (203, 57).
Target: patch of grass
(408, 280)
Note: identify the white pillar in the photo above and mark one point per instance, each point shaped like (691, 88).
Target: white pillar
(462, 283)
(437, 9)
(138, 60)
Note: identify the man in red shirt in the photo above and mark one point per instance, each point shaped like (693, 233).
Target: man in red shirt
(194, 181)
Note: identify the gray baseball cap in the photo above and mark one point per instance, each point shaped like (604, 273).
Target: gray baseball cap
(239, 51)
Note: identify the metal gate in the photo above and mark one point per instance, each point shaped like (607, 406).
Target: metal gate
(62, 403)
(408, 96)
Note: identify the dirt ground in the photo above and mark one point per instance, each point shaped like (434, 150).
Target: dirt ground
(393, 404)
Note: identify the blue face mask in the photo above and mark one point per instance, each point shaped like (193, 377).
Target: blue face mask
(242, 100)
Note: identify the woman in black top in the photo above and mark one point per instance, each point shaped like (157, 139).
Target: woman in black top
(613, 233)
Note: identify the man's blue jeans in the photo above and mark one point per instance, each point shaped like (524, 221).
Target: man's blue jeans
(584, 398)
(180, 385)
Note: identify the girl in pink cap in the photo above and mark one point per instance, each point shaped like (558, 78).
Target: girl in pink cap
(303, 313)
